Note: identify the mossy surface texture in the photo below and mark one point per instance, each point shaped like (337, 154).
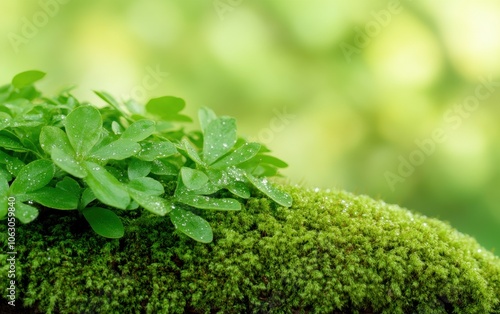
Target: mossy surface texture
(332, 252)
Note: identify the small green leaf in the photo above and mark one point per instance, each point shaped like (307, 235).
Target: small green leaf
(33, 176)
(110, 100)
(25, 213)
(153, 203)
(218, 177)
(55, 198)
(264, 170)
(119, 173)
(68, 163)
(24, 79)
(6, 174)
(139, 130)
(70, 185)
(154, 150)
(51, 137)
(206, 115)
(167, 108)
(104, 222)
(239, 189)
(116, 128)
(205, 202)
(11, 144)
(5, 118)
(191, 225)
(207, 189)
(147, 186)
(13, 164)
(83, 128)
(270, 190)
(164, 104)
(193, 179)
(117, 150)
(164, 168)
(191, 151)
(134, 107)
(138, 168)
(219, 137)
(106, 187)
(87, 197)
(240, 155)
(270, 160)
(4, 195)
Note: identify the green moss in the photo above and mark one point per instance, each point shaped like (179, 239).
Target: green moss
(331, 252)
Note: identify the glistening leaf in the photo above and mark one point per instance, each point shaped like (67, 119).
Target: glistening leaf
(33, 176)
(4, 189)
(239, 189)
(164, 168)
(192, 225)
(117, 150)
(191, 152)
(193, 179)
(206, 115)
(154, 150)
(11, 144)
(138, 168)
(51, 137)
(67, 162)
(139, 130)
(148, 186)
(270, 190)
(24, 79)
(205, 202)
(240, 155)
(25, 213)
(153, 203)
(83, 127)
(13, 164)
(219, 137)
(104, 222)
(106, 188)
(5, 118)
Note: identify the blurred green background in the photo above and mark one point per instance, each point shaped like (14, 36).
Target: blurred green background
(343, 91)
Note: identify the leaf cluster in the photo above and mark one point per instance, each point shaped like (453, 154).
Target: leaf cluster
(65, 154)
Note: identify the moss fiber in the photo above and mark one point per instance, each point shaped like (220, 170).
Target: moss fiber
(332, 252)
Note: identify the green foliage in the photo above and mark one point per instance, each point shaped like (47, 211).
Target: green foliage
(331, 252)
(26, 78)
(104, 222)
(63, 154)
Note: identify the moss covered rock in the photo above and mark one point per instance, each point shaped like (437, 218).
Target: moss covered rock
(332, 252)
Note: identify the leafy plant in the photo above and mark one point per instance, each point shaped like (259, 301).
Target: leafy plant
(63, 154)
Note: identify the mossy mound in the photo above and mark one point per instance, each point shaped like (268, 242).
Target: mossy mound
(332, 252)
